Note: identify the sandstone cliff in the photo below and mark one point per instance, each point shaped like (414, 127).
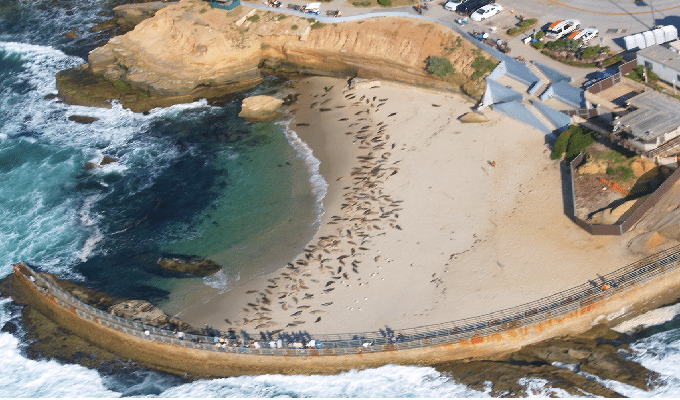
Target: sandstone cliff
(189, 50)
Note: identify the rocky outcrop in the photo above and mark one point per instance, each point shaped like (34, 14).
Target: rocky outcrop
(559, 361)
(190, 51)
(105, 161)
(82, 119)
(260, 108)
(129, 15)
(183, 265)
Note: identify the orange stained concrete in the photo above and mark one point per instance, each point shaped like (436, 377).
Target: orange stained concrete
(206, 363)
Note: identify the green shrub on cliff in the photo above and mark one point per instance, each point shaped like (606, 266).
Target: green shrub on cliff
(385, 3)
(439, 66)
(294, 27)
(573, 141)
(253, 18)
(121, 86)
(318, 25)
(482, 65)
(560, 145)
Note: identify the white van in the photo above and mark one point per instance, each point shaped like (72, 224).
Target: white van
(560, 28)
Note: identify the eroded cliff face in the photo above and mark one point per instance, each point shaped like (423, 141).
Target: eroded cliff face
(189, 50)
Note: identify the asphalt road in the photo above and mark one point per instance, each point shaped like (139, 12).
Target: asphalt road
(613, 18)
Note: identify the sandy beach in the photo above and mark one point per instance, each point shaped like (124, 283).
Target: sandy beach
(420, 226)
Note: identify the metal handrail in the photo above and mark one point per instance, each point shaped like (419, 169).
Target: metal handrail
(552, 306)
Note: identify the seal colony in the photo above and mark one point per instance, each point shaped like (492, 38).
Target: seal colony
(420, 227)
(426, 220)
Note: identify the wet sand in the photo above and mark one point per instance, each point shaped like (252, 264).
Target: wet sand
(427, 219)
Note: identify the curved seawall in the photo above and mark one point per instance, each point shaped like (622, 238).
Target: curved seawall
(629, 291)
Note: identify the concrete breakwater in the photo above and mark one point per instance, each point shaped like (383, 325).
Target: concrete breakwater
(629, 291)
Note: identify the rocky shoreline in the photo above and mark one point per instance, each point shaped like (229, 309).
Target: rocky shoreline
(189, 51)
(566, 362)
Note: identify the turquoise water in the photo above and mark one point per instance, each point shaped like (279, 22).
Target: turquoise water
(191, 180)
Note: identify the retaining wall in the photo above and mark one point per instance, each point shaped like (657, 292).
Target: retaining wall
(647, 283)
(623, 226)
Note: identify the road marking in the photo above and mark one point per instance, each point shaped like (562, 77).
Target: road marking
(612, 13)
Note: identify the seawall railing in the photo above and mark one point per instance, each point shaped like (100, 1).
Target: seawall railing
(555, 306)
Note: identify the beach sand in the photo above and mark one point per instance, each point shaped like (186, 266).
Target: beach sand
(419, 226)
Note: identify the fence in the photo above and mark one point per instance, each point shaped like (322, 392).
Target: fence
(615, 79)
(584, 113)
(623, 226)
(554, 306)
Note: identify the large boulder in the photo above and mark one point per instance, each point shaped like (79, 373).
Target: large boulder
(359, 83)
(473, 117)
(260, 108)
(183, 265)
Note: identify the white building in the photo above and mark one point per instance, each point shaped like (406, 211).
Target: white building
(663, 61)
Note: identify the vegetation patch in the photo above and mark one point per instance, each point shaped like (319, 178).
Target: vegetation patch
(121, 86)
(253, 18)
(573, 141)
(318, 25)
(294, 27)
(453, 45)
(482, 66)
(621, 171)
(385, 3)
(573, 52)
(638, 75)
(281, 17)
(361, 3)
(522, 27)
(439, 66)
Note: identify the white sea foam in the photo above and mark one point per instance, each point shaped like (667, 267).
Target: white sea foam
(22, 377)
(650, 318)
(537, 387)
(388, 381)
(222, 280)
(319, 184)
(41, 227)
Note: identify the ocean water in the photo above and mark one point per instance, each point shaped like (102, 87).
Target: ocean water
(190, 179)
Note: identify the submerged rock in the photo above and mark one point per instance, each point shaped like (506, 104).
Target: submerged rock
(71, 35)
(191, 265)
(107, 160)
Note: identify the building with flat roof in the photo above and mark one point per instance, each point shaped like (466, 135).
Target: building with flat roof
(663, 61)
(654, 121)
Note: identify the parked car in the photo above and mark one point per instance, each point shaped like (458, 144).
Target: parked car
(485, 12)
(467, 7)
(559, 29)
(584, 35)
(452, 4)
